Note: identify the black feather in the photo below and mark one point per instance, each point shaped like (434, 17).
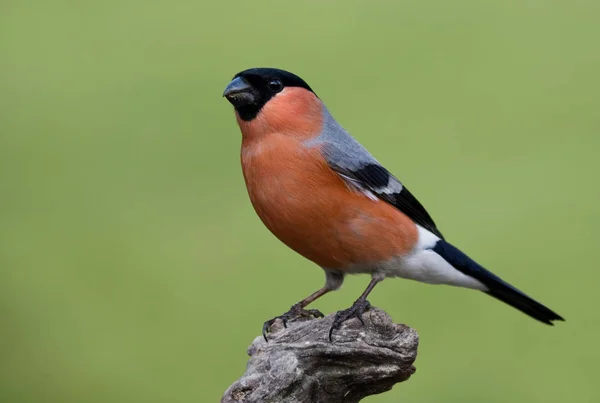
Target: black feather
(376, 178)
(497, 288)
(259, 79)
(409, 205)
(374, 175)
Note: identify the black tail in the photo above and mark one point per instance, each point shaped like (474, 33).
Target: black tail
(497, 288)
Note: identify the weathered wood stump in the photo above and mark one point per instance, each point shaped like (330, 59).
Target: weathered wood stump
(299, 364)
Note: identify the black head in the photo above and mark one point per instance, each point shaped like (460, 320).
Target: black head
(251, 89)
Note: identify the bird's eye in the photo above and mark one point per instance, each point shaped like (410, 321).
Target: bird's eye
(275, 85)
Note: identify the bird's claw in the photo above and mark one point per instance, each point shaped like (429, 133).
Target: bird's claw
(356, 310)
(295, 312)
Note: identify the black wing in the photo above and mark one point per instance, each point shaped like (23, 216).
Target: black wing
(377, 180)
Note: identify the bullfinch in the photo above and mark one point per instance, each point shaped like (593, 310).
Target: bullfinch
(320, 192)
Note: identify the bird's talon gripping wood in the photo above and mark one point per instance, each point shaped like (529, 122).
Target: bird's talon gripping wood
(325, 196)
(315, 313)
(295, 312)
(357, 309)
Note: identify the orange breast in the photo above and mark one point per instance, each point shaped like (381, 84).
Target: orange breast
(308, 206)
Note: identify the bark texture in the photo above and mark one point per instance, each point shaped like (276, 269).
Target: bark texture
(299, 364)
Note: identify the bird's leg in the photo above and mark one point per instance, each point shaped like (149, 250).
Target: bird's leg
(360, 306)
(297, 311)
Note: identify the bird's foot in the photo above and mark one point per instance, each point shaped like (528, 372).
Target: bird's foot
(357, 309)
(295, 312)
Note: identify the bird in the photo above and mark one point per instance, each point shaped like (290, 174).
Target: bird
(320, 192)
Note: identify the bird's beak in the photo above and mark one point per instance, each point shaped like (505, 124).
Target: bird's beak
(239, 92)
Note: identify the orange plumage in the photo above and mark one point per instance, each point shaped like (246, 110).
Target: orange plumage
(322, 219)
(303, 202)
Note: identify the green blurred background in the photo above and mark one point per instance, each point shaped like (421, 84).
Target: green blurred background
(133, 268)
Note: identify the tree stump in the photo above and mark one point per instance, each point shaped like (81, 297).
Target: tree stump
(299, 364)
